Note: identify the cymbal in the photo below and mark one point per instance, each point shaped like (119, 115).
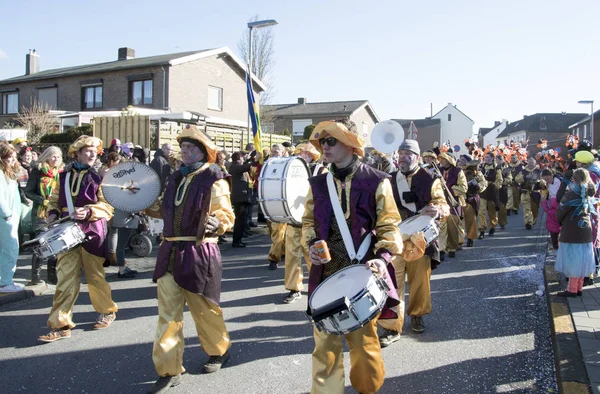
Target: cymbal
(131, 186)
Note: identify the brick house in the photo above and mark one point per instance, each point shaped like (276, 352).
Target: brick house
(583, 128)
(295, 117)
(552, 127)
(427, 131)
(211, 81)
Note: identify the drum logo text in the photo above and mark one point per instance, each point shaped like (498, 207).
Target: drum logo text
(123, 172)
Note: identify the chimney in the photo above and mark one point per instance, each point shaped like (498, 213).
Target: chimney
(32, 62)
(301, 100)
(126, 53)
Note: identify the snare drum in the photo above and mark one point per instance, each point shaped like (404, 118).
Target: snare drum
(424, 223)
(347, 300)
(56, 240)
(282, 189)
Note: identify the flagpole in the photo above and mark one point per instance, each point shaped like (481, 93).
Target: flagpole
(250, 81)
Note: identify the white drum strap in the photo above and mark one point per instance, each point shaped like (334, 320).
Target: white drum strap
(316, 170)
(68, 196)
(343, 226)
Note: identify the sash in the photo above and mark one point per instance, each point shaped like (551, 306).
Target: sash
(68, 193)
(343, 226)
(402, 184)
(316, 170)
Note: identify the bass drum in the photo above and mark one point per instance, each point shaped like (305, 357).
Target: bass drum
(282, 189)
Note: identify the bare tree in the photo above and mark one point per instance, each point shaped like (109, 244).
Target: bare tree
(263, 62)
(38, 121)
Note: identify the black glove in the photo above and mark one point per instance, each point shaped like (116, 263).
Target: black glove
(212, 225)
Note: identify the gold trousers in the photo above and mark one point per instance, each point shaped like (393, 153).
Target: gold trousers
(530, 208)
(450, 233)
(419, 301)
(490, 208)
(277, 241)
(510, 202)
(366, 364)
(167, 353)
(502, 215)
(516, 201)
(68, 272)
(470, 222)
(293, 259)
(462, 233)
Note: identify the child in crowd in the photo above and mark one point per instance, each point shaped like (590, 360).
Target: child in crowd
(550, 204)
(575, 257)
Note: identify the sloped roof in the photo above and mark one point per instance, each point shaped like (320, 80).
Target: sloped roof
(149, 61)
(456, 108)
(542, 122)
(419, 123)
(323, 108)
(485, 130)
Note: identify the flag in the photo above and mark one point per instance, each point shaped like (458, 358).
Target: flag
(254, 118)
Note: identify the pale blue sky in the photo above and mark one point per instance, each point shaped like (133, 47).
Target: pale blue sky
(494, 60)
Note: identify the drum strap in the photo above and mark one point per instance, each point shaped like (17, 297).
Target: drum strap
(343, 226)
(68, 194)
(316, 170)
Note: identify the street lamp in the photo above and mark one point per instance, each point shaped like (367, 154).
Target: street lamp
(252, 26)
(591, 117)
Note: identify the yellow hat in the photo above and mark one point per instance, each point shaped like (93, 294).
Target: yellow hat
(449, 157)
(429, 153)
(192, 132)
(585, 157)
(18, 140)
(84, 141)
(340, 132)
(308, 148)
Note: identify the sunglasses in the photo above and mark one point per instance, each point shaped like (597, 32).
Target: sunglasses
(329, 141)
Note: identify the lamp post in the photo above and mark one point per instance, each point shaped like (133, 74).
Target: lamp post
(251, 27)
(591, 118)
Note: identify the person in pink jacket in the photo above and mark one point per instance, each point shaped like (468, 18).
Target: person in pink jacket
(549, 204)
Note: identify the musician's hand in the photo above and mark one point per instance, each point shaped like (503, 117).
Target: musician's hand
(377, 266)
(81, 213)
(314, 256)
(431, 210)
(212, 224)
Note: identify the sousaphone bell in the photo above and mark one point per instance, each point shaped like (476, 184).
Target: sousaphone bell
(387, 136)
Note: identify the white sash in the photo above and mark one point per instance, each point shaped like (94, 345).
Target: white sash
(402, 184)
(343, 226)
(316, 170)
(68, 196)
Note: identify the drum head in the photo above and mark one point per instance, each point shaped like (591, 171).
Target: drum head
(414, 224)
(347, 282)
(57, 230)
(297, 187)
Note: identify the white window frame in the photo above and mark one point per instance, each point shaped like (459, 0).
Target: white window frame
(215, 93)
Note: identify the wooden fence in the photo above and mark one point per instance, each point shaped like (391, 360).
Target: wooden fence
(134, 129)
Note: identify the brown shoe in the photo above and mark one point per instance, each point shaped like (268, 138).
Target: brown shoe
(55, 335)
(104, 320)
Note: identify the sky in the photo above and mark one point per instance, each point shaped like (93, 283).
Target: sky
(493, 60)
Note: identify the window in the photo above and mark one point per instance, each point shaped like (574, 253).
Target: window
(140, 92)
(48, 96)
(215, 98)
(298, 126)
(585, 131)
(10, 103)
(449, 117)
(91, 97)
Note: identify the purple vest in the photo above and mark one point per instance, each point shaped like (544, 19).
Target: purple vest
(88, 195)
(196, 269)
(451, 179)
(490, 193)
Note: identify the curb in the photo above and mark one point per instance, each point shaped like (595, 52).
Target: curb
(26, 293)
(571, 371)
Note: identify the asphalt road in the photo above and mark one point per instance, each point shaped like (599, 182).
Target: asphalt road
(488, 331)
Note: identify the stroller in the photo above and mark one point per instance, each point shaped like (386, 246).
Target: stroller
(147, 229)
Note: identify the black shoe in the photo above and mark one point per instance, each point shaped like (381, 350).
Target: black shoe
(481, 234)
(127, 274)
(516, 211)
(460, 247)
(528, 226)
(261, 219)
(469, 243)
(252, 224)
(508, 212)
(442, 254)
(502, 227)
(238, 245)
(492, 231)
(272, 265)
(215, 363)
(417, 324)
(248, 233)
(587, 281)
(388, 337)
(221, 241)
(579, 293)
(566, 294)
(165, 383)
(452, 254)
(292, 297)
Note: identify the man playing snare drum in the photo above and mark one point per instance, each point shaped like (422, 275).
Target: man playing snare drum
(367, 203)
(80, 184)
(416, 191)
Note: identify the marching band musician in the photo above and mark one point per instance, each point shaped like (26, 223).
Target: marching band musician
(78, 194)
(456, 182)
(416, 191)
(367, 205)
(294, 251)
(476, 183)
(277, 230)
(196, 210)
(528, 179)
(503, 192)
(489, 198)
(515, 168)
(382, 162)
(430, 159)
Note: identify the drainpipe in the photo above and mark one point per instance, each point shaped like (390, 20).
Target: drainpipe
(164, 88)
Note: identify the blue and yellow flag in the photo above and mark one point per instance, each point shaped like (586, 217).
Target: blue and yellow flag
(254, 118)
